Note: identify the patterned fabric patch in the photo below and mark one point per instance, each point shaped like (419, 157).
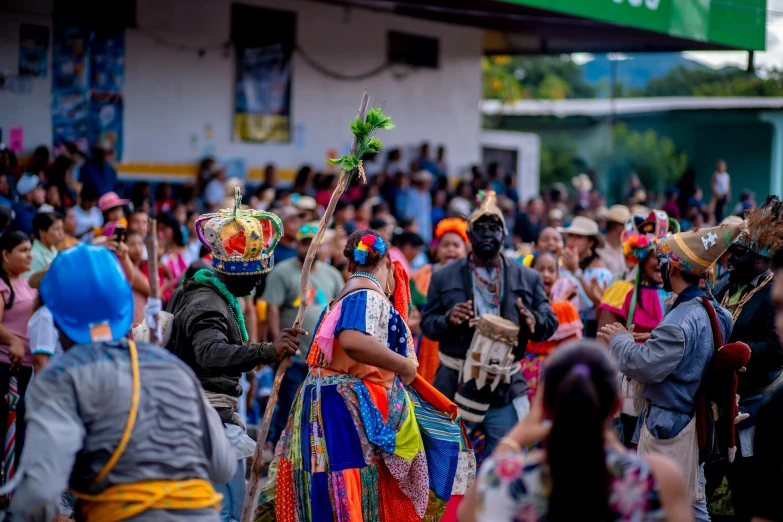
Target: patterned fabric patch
(435, 508)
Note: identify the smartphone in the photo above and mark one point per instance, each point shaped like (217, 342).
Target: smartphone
(120, 234)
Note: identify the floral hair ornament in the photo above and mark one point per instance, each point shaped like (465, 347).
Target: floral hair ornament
(241, 241)
(367, 242)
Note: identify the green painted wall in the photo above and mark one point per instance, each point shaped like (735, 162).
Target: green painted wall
(738, 137)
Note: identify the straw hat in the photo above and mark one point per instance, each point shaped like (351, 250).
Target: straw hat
(640, 210)
(618, 214)
(582, 183)
(695, 251)
(422, 176)
(582, 226)
(556, 214)
(731, 220)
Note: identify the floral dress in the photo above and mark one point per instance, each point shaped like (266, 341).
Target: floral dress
(360, 446)
(516, 487)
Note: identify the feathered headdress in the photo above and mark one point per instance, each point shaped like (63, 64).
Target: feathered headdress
(764, 234)
(488, 207)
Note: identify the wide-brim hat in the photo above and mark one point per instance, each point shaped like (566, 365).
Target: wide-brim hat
(422, 176)
(289, 212)
(111, 200)
(695, 251)
(582, 183)
(618, 214)
(304, 202)
(583, 226)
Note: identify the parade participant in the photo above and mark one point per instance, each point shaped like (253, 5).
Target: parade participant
(768, 441)
(612, 253)
(126, 427)
(569, 324)
(672, 363)
(209, 331)
(748, 298)
(486, 282)
(360, 443)
(639, 302)
(579, 398)
(451, 235)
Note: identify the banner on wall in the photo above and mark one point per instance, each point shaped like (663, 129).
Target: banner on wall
(87, 82)
(263, 93)
(33, 50)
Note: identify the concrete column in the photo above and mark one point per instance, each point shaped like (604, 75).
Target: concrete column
(776, 160)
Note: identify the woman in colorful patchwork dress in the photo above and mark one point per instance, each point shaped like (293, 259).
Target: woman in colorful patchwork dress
(638, 302)
(583, 473)
(367, 438)
(451, 236)
(569, 324)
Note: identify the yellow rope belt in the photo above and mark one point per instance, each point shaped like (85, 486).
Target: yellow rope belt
(123, 501)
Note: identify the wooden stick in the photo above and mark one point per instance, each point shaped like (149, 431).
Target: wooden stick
(152, 266)
(255, 474)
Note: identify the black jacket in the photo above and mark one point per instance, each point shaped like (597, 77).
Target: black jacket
(452, 285)
(755, 327)
(206, 336)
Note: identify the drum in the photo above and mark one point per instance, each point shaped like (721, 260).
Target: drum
(489, 361)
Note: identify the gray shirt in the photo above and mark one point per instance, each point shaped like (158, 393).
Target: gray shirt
(77, 409)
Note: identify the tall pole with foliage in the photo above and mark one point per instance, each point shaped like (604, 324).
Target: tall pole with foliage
(363, 128)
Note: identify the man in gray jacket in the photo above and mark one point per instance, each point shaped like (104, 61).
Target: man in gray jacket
(486, 283)
(126, 427)
(672, 364)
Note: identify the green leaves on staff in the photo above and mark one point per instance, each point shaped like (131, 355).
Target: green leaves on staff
(366, 142)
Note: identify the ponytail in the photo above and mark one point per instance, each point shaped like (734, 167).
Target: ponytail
(579, 393)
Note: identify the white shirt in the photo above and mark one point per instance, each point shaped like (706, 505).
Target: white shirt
(214, 192)
(722, 183)
(42, 333)
(87, 220)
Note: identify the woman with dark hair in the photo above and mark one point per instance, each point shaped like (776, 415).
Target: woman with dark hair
(176, 258)
(302, 183)
(367, 439)
(583, 473)
(16, 361)
(61, 177)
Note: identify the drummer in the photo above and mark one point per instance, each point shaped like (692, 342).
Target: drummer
(486, 282)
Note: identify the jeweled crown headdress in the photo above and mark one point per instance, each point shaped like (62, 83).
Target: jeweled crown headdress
(241, 241)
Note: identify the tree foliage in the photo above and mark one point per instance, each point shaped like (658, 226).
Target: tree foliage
(558, 162)
(654, 158)
(696, 82)
(509, 78)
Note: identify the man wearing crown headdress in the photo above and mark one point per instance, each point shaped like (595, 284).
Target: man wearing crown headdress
(208, 331)
(672, 364)
(748, 297)
(486, 282)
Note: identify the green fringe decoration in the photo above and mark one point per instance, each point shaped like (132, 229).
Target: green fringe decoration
(205, 276)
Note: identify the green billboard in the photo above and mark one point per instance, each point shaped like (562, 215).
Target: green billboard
(735, 24)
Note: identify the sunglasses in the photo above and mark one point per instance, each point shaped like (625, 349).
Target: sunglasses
(308, 229)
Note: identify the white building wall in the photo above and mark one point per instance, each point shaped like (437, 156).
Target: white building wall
(172, 94)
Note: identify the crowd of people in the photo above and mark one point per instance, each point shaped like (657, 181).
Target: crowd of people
(450, 328)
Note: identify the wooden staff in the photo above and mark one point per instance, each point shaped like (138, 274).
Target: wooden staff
(152, 266)
(342, 184)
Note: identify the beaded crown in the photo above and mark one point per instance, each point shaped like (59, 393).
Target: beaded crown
(241, 241)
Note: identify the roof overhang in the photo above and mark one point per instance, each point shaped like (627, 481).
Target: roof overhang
(603, 107)
(566, 26)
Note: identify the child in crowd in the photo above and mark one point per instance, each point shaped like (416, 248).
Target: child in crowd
(546, 264)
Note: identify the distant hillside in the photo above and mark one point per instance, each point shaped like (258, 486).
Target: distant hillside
(635, 72)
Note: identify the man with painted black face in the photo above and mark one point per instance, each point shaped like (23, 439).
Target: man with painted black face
(748, 298)
(485, 282)
(673, 362)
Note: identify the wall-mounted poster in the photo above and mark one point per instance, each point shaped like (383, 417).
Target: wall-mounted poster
(262, 110)
(87, 82)
(33, 50)
(70, 57)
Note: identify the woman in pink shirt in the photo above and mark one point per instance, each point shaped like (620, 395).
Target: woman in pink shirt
(16, 361)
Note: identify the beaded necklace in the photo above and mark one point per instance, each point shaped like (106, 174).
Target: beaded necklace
(495, 291)
(206, 277)
(367, 275)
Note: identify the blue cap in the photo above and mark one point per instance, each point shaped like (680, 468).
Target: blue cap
(88, 295)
